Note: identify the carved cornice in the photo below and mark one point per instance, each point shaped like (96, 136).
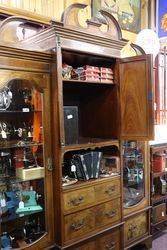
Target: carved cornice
(70, 32)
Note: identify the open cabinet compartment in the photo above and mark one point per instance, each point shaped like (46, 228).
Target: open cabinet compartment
(97, 103)
(109, 162)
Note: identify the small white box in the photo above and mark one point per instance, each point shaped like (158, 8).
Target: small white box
(30, 173)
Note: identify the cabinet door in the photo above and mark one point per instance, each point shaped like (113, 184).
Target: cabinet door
(25, 150)
(136, 97)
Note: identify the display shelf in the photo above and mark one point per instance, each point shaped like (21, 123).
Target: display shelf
(18, 144)
(14, 179)
(158, 148)
(18, 111)
(88, 82)
(90, 143)
(158, 198)
(159, 174)
(11, 215)
(88, 183)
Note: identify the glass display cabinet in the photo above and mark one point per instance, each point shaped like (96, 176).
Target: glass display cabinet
(135, 183)
(25, 158)
(133, 162)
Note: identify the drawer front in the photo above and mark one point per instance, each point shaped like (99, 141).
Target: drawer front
(87, 246)
(110, 241)
(108, 213)
(107, 191)
(159, 213)
(78, 199)
(79, 224)
(135, 227)
(82, 223)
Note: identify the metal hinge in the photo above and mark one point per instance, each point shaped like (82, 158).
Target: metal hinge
(50, 164)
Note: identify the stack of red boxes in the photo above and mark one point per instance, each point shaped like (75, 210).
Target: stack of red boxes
(93, 73)
(87, 73)
(159, 162)
(106, 75)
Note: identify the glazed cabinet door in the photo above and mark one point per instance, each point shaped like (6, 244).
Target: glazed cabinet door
(25, 161)
(135, 165)
(136, 97)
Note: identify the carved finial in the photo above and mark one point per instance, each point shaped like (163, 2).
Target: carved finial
(70, 15)
(8, 29)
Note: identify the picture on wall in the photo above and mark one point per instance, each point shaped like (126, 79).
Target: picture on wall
(126, 12)
(161, 22)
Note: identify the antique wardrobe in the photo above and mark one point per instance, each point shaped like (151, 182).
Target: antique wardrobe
(87, 129)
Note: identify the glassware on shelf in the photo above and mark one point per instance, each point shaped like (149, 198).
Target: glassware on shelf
(133, 172)
(22, 172)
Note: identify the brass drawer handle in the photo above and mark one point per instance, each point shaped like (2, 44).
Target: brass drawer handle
(111, 213)
(78, 225)
(110, 246)
(76, 201)
(110, 190)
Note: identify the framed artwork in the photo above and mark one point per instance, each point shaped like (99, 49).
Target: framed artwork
(161, 18)
(126, 12)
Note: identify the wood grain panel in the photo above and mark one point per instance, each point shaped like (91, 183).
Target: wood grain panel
(136, 98)
(110, 240)
(79, 224)
(108, 213)
(87, 246)
(108, 190)
(79, 199)
(135, 228)
(159, 213)
(82, 223)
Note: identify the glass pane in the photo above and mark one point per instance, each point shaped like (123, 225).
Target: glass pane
(133, 172)
(22, 203)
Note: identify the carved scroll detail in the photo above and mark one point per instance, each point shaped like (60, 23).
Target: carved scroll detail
(70, 20)
(8, 29)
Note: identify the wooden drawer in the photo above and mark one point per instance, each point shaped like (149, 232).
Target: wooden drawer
(82, 223)
(79, 224)
(110, 241)
(78, 199)
(109, 190)
(159, 213)
(87, 246)
(135, 227)
(108, 213)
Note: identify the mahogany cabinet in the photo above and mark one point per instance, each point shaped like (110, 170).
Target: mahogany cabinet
(26, 197)
(89, 213)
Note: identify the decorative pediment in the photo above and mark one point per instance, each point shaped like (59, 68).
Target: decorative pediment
(70, 20)
(69, 29)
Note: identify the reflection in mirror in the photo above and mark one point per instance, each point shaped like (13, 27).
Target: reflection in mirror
(133, 172)
(22, 203)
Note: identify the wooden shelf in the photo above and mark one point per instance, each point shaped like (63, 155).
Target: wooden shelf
(91, 143)
(11, 215)
(159, 174)
(18, 144)
(88, 82)
(158, 147)
(18, 111)
(158, 198)
(14, 179)
(81, 184)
